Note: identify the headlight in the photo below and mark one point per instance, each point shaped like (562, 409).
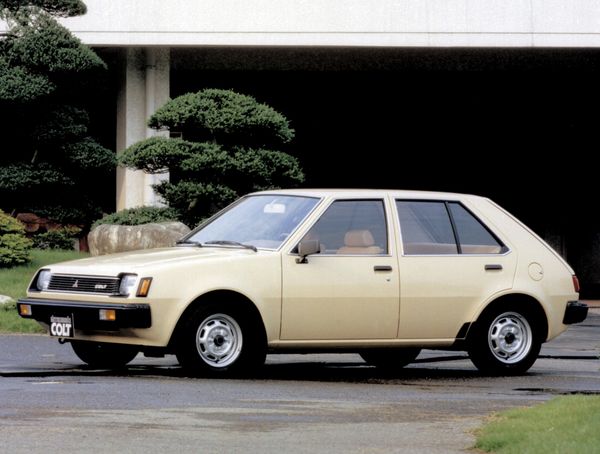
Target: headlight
(127, 286)
(43, 280)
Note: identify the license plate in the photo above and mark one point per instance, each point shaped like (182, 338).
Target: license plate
(61, 326)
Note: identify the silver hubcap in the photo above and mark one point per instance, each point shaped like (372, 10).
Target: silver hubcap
(510, 337)
(219, 340)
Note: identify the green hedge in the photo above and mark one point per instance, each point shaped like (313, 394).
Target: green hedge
(57, 239)
(138, 216)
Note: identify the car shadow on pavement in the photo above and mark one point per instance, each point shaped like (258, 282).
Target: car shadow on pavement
(348, 372)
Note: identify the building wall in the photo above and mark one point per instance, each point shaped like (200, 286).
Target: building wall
(473, 23)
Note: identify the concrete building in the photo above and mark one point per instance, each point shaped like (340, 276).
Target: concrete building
(148, 31)
(437, 81)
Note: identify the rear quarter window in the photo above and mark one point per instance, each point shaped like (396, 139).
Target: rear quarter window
(473, 236)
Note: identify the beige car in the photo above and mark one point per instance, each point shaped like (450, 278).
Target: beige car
(379, 273)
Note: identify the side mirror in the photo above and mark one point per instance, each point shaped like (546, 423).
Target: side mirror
(307, 247)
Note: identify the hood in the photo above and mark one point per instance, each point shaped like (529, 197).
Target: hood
(113, 264)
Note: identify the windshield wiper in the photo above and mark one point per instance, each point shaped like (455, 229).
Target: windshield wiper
(232, 243)
(195, 243)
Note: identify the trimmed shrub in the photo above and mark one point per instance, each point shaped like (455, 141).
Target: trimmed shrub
(229, 148)
(56, 239)
(138, 216)
(14, 246)
(224, 117)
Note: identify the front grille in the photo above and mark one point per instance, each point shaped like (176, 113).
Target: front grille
(84, 284)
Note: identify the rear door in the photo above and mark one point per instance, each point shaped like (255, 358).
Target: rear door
(450, 263)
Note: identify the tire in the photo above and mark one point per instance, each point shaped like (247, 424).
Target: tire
(220, 341)
(390, 358)
(105, 356)
(505, 341)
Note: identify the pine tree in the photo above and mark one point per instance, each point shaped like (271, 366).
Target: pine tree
(228, 148)
(49, 164)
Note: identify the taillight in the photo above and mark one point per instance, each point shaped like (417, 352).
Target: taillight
(576, 284)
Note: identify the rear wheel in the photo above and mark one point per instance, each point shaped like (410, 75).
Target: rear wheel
(220, 341)
(505, 341)
(102, 355)
(390, 358)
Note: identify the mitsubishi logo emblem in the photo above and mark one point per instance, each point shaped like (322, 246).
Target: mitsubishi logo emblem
(76, 284)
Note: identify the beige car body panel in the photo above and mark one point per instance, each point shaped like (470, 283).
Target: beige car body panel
(340, 301)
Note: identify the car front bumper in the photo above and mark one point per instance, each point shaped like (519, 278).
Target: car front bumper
(87, 315)
(575, 312)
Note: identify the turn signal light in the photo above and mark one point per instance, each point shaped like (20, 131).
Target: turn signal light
(109, 315)
(144, 286)
(25, 310)
(576, 284)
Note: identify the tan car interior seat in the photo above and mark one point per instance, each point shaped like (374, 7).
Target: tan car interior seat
(359, 242)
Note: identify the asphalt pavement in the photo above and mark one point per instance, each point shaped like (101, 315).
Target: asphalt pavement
(50, 402)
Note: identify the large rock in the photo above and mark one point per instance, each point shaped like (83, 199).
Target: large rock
(6, 300)
(109, 238)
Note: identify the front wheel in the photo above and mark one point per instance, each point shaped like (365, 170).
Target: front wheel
(390, 358)
(220, 341)
(102, 355)
(505, 342)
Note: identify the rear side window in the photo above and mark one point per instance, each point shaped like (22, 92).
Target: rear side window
(426, 228)
(437, 228)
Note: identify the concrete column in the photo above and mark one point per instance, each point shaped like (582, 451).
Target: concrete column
(144, 88)
(157, 93)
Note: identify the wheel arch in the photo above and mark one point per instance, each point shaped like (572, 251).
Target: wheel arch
(532, 305)
(228, 298)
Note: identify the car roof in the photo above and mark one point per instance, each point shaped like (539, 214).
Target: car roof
(367, 193)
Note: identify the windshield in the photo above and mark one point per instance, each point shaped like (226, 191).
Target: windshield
(263, 221)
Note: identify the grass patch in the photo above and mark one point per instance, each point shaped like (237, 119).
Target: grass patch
(564, 424)
(14, 282)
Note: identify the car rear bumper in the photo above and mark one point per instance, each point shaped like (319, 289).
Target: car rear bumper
(87, 315)
(575, 312)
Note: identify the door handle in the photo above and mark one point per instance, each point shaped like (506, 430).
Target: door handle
(493, 267)
(382, 268)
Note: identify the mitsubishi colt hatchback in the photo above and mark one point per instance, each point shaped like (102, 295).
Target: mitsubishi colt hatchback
(375, 272)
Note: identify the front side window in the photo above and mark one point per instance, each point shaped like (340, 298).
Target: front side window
(262, 221)
(352, 227)
(439, 228)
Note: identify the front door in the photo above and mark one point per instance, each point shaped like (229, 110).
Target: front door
(351, 289)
